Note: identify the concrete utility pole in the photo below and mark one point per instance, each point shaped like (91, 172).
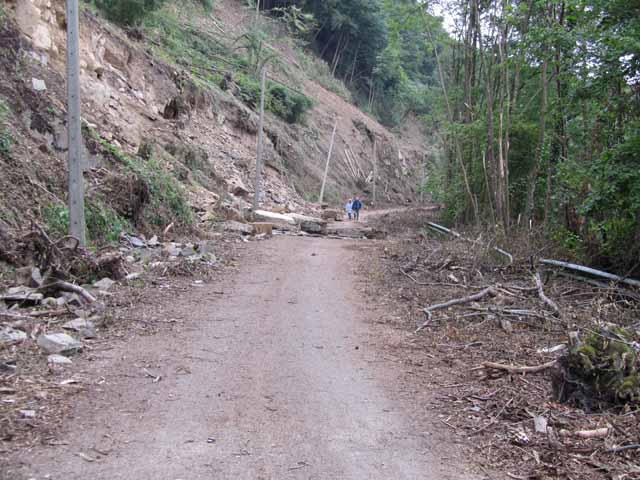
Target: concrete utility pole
(326, 168)
(256, 198)
(375, 169)
(76, 183)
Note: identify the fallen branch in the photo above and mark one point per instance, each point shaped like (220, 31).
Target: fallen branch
(597, 433)
(623, 448)
(519, 368)
(70, 287)
(591, 271)
(457, 235)
(543, 297)
(456, 301)
(430, 284)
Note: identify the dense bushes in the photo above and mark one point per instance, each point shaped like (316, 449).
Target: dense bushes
(280, 100)
(128, 12)
(288, 105)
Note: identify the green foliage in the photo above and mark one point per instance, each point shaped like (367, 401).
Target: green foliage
(603, 371)
(5, 136)
(128, 12)
(168, 202)
(285, 103)
(249, 89)
(298, 22)
(207, 5)
(104, 225)
(288, 105)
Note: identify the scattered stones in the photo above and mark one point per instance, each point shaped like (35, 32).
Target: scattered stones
(153, 241)
(233, 226)
(9, 336)
(22, 295)
(319, 228)
(331, 215)
(275, 218)
(104, 284)
(136, 242)
(84, 327)
(262, 228)
(29, 277)
(38, 85)
(56, 359)
(59, 343)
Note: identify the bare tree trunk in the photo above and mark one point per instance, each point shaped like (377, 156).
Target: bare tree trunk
(535, 171)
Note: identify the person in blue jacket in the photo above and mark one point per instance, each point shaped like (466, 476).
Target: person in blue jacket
(356, 206)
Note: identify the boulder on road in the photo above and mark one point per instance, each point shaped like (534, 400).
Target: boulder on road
(319, 228)
(262, 228)
(275, 218)
(310, 224)
(331, 215)
(233, 226)
(59, 343)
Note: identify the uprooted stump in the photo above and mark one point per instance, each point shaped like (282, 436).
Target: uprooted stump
(601, 372)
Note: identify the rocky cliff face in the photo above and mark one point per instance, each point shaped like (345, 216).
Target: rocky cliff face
(156, 137)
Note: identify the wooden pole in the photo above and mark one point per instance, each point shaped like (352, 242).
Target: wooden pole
(375, 169)
(326, 167)
(76, 185)
(258, 180)
(424, 177)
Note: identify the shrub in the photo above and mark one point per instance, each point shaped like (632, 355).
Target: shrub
(288, 105)
(5, 137)
(104, 225)
(128, 12)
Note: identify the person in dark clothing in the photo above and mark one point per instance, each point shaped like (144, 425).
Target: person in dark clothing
(356, 206)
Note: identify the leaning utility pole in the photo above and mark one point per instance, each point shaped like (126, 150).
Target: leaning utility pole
(256, 198)
(326, 167)
(375, 169)
(76, 184)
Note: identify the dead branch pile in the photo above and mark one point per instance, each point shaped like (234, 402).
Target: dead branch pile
(494, 361)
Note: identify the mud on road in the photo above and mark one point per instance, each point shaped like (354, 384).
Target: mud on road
(282, 376)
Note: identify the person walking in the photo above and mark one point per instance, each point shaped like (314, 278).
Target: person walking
(349, 208)
(356, 206)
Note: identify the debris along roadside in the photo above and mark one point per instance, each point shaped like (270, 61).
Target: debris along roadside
(60, 302)
(540, 374)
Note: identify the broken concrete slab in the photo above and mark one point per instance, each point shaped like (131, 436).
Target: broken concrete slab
(59, 343)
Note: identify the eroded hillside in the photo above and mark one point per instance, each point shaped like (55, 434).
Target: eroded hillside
(170, 125)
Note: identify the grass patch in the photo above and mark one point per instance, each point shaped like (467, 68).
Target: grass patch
(5, 137)
(168, 200)
(104, 225)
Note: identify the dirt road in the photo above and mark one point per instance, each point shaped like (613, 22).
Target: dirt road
(278, 378)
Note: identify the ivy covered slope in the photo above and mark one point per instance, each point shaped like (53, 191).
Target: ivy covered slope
(171, 94)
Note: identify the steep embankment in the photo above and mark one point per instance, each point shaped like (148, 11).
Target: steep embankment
(169, 133)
